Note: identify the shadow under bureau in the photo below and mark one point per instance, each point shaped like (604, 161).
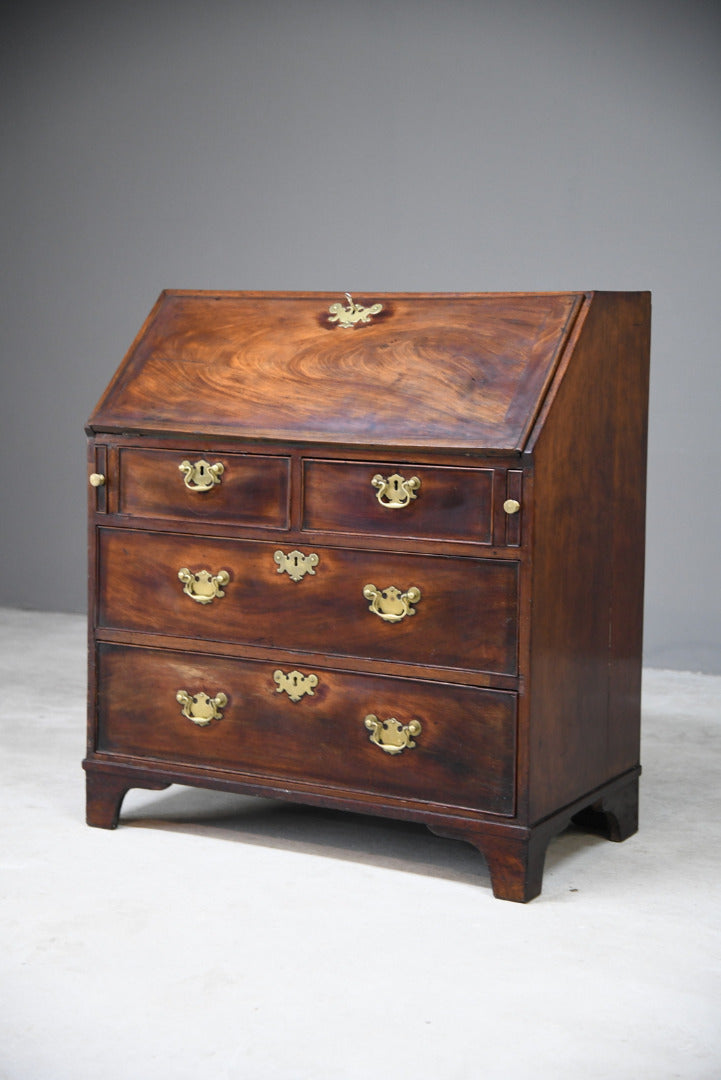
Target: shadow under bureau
(378, 553)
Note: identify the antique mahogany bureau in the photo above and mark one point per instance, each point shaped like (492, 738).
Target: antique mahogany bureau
(380, 553)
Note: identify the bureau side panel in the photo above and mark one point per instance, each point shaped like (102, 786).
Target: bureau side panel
(589, 462)
(631, 386)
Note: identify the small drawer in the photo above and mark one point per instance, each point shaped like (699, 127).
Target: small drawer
(405, 738)
(435, 610)
(239, 489)
(390, 499)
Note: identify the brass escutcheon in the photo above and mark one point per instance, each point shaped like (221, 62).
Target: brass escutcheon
(391, 604)
(295, 564)
(200, 708)
(295, 684)
(202, 586)
(390, 735)
(200, 475)
(354, 313)
(395, 492)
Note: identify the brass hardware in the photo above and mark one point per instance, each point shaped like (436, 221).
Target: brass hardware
(200, 708)
(511, 506)
(395, 492)
(203, 586)
(295, 564)
(390, 735)
(354, 313)
(201, 476)
(391, 604)
(295, 684)
(96, 479)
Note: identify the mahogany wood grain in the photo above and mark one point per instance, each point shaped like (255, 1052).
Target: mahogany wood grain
(523, 660)
(449, 503)
(302, 658)
(253, 490)
(588, 460)
(466, 616)
(614, 815)
(465, 752)
(515, 856)
(432, 370)
(105, 792)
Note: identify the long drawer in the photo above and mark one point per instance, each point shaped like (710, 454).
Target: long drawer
(420, 609)
(407, 738)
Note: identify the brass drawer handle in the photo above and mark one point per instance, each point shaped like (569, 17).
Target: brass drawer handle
(390, 735)
(295, 564)
(200, 475)
(96, 479)
(391, 604)
(394, 492)
(200, 708)
(511, 506)
(295, 684)
(202, 586)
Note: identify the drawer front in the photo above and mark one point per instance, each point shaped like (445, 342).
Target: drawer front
(450, 744)
(398, 500)
(465, 616)
(247, 489)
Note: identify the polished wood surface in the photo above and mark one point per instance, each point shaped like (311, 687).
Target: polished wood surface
(588, 555)
(453, 504)
(464, 754)
(465, 618)
(430, 370)
(524, 418)
(253, 490)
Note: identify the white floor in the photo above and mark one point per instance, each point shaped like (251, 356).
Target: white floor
(213, 936)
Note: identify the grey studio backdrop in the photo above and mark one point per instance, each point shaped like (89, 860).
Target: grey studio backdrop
(369, 146)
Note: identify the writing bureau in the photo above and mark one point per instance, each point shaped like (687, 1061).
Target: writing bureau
(381, 553)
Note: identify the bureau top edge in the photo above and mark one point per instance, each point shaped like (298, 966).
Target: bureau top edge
(177, 437)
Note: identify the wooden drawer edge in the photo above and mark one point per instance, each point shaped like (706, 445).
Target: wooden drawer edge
(275, 787)
(484, 680)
